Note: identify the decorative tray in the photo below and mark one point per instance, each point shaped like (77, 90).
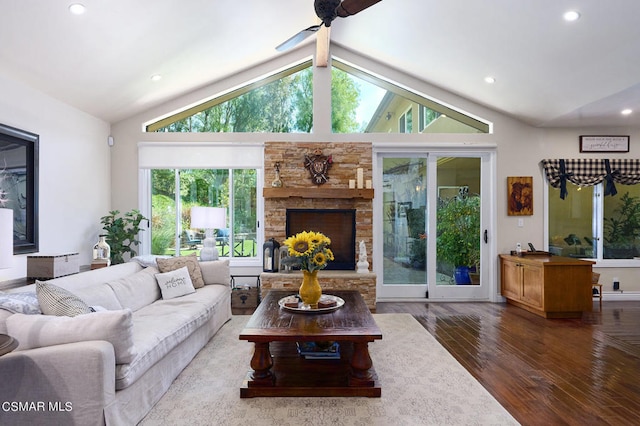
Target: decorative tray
(305, 309)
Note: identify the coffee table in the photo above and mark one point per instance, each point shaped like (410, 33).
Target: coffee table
(278, 369)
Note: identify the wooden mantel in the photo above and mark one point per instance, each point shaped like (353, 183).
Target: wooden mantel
(366, 194)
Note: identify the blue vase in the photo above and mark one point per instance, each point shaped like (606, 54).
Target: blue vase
(461, 275)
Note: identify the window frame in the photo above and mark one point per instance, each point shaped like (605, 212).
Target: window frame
(191, 155)
(598, 227)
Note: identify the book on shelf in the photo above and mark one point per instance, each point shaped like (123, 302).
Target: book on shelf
(312, 350)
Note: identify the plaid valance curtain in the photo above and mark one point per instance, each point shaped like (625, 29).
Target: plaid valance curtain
(591, 171)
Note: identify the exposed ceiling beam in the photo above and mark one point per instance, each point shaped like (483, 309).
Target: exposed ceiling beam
(322, 46)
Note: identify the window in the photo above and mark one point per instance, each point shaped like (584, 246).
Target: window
(427, 116)
(594, 208)
(406, 122)
(281, 103)
(362, 103)
(174, 177)
(175, 191)
(571, 231)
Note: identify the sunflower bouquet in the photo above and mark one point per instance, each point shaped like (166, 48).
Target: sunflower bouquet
(308, 250)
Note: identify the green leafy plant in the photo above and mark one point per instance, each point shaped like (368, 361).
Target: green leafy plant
(458, 231)
(122, 232)
(622, 229)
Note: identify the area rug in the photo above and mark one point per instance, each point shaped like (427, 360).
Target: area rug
(422, 384)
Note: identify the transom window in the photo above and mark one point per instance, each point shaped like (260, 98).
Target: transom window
(283, 103)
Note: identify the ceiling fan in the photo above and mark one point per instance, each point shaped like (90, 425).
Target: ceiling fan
(327, 11)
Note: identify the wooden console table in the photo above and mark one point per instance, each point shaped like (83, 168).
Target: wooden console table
(549, 286)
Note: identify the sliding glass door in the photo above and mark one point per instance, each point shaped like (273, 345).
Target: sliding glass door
(434, 226)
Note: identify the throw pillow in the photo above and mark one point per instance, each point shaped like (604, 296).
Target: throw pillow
(148, 260)
(56, 300)
(36, 331)
(216, 272)
(20, 303)
(138, 290)
(191, 262)
(175, 283)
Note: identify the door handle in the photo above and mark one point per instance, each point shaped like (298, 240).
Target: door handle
(486, 236)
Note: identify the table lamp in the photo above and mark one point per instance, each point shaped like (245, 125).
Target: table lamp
(208, 218)
(6, 239)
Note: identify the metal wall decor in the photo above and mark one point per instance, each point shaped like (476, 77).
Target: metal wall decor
(318, 166)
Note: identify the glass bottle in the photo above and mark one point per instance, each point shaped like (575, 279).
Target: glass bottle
(102, 251)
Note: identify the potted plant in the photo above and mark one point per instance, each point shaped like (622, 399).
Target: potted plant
(458, 234)
(622, 229)
(122, 233)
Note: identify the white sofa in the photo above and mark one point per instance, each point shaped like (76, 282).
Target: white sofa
(94, 382)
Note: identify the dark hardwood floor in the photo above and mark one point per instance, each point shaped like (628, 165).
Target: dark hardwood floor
(544, 371)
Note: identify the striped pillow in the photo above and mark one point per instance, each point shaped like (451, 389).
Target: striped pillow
(55, 300)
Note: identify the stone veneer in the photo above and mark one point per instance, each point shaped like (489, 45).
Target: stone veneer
(347, 157)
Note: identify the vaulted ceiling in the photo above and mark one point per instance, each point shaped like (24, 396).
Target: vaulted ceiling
(548, 72)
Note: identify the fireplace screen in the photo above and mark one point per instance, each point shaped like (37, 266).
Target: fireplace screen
(337, 224)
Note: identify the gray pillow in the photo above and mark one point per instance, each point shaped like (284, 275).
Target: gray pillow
(56, 300)
(20, 303)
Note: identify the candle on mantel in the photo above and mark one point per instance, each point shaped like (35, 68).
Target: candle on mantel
(368, 184)
(360, 177)
(352, 184)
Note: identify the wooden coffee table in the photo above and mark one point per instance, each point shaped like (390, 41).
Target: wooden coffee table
(278, 369)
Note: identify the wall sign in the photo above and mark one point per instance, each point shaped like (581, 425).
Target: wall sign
(604, 143)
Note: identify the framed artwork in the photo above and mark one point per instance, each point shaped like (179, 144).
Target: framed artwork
(604, 143)
(19, 185)
(520, 195)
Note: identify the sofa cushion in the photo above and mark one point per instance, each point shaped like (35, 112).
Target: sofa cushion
(175, 283)
(35, 331)
(56, 300)
(216, 272)
(137, 290)
(192, 264)
(160, 327)
(98, 294)
(20, 303)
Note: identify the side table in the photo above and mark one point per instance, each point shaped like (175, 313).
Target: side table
(7, 344)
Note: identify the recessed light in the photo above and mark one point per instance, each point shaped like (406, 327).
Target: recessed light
(571, 15)
(156, 77)
(77, 9)
(626, 111)
(489, 79)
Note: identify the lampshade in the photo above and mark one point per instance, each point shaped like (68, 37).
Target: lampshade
(6, 238)
(208, 217)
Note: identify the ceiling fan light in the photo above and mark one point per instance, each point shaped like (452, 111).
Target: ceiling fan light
(626, 111)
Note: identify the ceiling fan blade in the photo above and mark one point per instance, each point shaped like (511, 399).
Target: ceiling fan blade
(293, 41)
(351, 7)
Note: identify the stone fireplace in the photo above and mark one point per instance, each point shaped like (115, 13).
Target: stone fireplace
(298, 192)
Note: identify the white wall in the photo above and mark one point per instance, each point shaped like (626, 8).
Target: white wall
(520, 146)
(74, 169)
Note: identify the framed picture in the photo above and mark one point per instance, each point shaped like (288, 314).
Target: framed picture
(604, 143)
(19, 185)
(520, 196)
